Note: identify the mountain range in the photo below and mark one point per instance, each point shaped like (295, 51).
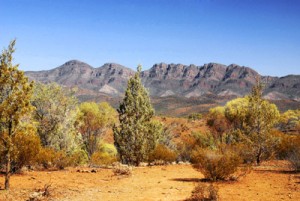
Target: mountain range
(175, 89)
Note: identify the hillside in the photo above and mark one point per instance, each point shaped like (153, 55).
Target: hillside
(175, 89)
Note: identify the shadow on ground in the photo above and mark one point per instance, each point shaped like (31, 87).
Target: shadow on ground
(190, 180)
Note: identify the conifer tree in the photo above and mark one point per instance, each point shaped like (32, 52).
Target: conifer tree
(136, 136)
(15, 93)
(261, 118)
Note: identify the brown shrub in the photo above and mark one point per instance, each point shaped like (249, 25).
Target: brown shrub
(46, 157)
(122, 170)
(294, 158)
(204, 192)
(215, 165)
(27, 147)
(288, 144)
(50, 158)
(162, 153)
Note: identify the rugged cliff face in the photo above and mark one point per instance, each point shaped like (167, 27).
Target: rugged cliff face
(110, 79)
(211, 83)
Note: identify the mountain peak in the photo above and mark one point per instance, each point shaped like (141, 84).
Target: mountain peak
(164, 80)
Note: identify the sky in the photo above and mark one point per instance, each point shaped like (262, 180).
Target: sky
(261, 34)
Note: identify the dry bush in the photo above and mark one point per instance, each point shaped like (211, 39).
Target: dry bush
(121, 169)
(46, 157)
(61, 160)
(102, 158)
(40, 194)
(294, 158)
(287, 145)
(243, 150)
(162, 153)
(27, 147)
(289, 148)
(50, 158)
(215, 165)
(204, 192)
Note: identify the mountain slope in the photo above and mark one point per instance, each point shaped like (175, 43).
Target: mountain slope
(206, 86)
(110, 79)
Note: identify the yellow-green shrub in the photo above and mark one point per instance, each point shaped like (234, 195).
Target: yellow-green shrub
(78, 157)
(102, 158)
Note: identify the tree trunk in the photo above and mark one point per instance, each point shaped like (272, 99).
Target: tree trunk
(258, 156)
(8, 171)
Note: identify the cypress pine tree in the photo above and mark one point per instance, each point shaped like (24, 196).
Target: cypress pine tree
(136, 135)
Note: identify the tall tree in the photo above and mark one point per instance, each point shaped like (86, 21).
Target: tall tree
(136, 135)
(55, 115)
(261, 118)
(15, 94)
(93, 121)
(252, 119)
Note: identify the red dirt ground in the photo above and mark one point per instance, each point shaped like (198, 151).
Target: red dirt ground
(271, 181)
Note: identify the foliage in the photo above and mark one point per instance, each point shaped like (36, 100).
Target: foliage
(252, 119)
(289, 149)
(106, 155)
(205, 140)
(162, 153)
(27, 146)
(136, 135)
(204, 192)
(46, 157)
(15, 94)
(51, 158)
(294, 158)
(78, 157)
(236, 111)
(217, 122)
(286, 145)
(262, 116)
(289, 122)
(215, 165)
(194, 116)
(56, 117)
(102, 158)
(92, 121)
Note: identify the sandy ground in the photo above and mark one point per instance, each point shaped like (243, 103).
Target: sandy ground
(271, 181)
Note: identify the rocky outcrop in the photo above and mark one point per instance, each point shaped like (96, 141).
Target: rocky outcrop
(109, 79)
(163, 80)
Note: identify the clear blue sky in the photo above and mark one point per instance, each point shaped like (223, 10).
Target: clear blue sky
(262, 34)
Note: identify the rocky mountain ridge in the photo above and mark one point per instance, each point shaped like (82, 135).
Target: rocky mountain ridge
(167, 80)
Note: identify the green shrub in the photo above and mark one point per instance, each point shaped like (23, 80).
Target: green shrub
(194, 116)
(162, 153)
(78, 157)
(106, 155)
(215, 165)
